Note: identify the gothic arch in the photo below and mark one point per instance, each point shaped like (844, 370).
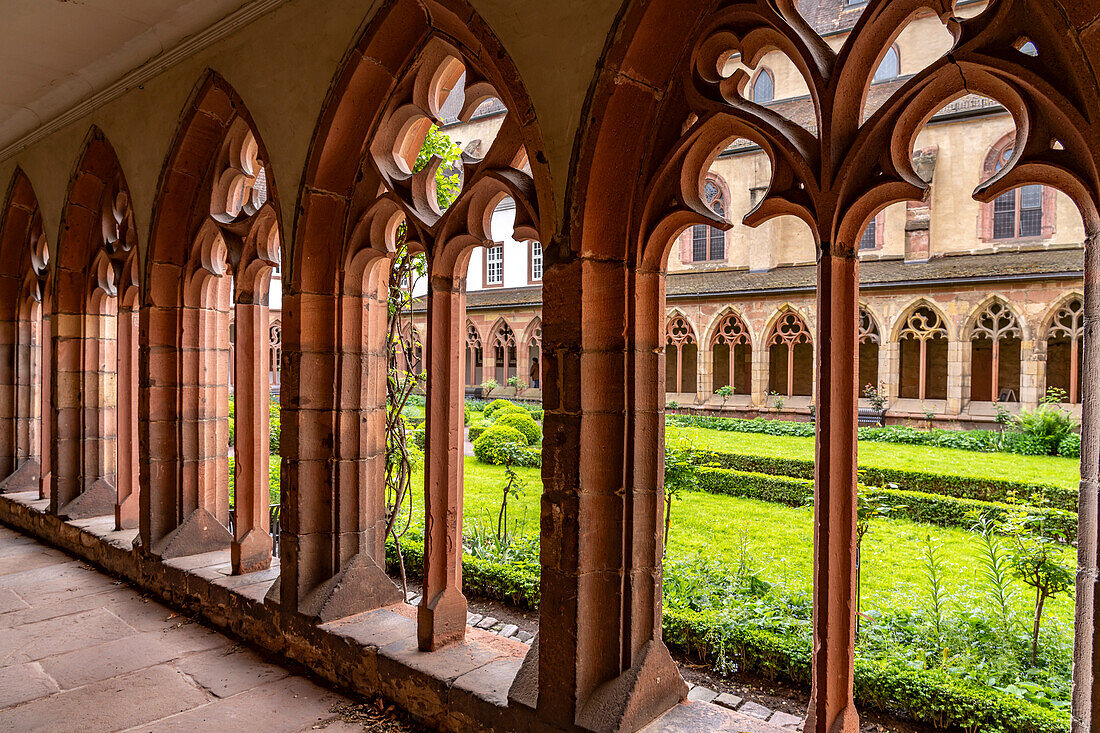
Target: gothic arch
(730, 341)
(25, 266)
(773, 319)
(710, 331)
(213, 244)
(1063, 347)
(95, 295)
(967, 331)
(914, 304)
(359, 191)
(994, 333)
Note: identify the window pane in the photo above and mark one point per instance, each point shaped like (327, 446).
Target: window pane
(494, 265)
(763, 90)
(536, 260)
(717, 244)
(1031, 211)
(869, 240)
(1004, 216)
(698, 243)
(888, 69)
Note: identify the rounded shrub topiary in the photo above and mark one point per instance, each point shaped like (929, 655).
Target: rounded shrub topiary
(523, 422)
(497, 404)
(418, 435)
(478, 428)
(500, 444)
(510, 409)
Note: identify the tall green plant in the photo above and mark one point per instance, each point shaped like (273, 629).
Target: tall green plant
(996, 571)
(934, 573)
(1037, 562)
(679, 477)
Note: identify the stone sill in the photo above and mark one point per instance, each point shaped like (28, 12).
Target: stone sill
(460, 688)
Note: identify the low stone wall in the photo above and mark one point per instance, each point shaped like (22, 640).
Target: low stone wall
(460, 688)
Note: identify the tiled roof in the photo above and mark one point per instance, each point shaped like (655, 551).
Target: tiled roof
(873, 274)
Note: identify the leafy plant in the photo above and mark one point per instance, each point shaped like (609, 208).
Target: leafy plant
(1036, 562)
(725, 392)
(489, 385)
(679, 477)
(778, 401)
(517, 383)
(934, 572)
(996, 568)
(876, 396)
(1048, 424)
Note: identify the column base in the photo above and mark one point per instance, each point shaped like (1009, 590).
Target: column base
(98, 500)
(24, 478)
(441, 621)
(127, 513)
(629, 702)
(252, 553)
(199, 533)
(362, 586)
(846, 722)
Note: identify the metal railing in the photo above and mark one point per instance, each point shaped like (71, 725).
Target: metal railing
(274, 517)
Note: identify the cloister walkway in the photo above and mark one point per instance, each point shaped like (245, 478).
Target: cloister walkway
(82, 651)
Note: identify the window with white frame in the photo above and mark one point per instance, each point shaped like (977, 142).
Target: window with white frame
(494, 265)
(536, 261)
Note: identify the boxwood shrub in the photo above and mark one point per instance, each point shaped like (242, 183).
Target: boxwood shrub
(501, 444)
(497, 404)
(523, 422)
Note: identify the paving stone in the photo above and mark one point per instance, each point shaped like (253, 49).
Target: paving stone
(115, 704)
(20, 683)
(727, 700)
(524, 636)
(103, 661)
(59, 635)
(282, 706)
(473, 619)
(701, 694)
(229, 671)
(486, 623)
(10, 601)
(755, 710)
(785, 719)
(509, 630)
(492, 681)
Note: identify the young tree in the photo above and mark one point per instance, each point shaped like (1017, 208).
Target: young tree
(679, 477)
(1036, 561)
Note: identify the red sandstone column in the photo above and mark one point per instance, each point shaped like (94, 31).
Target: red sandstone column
(45, 421)
(158, 408)
(1086, 661)
(832, 709)
(599, 661)
(442, 613)
(126, 507)
(251, 547)
(8, 402)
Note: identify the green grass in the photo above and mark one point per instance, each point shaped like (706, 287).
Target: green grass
(1062, 472)
(780, 539)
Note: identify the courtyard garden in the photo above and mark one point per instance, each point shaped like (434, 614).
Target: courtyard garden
(966, 576)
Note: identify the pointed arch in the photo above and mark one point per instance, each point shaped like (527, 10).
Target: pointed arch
(790, 354)
(923, 336)
(25, 444)
(681, 354)
(475, 355)
(1064, 340)
(214, 241)
(95, 390)
(730, 340)
(531, 353)
(359, 188)
(995, 333)
(870, 348)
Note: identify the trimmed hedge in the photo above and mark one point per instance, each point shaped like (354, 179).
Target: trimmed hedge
(497, 404)
(959, 487)
(942, 511)
(984, 441)
(501, 444)
(928, 696)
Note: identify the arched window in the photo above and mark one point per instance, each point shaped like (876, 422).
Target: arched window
(275, 353)
(504, 354)
(681, 357)
(890, 66)
(790, 357)
(1065, 349)
(1022, 213)
(474, 356)
(869, 343)
(995, 356)
(534, 355)
(763, 87)
(923, 342)
(708, 244)
(872, 234)
(732, 355)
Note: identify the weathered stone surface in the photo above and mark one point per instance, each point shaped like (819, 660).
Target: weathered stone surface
(22, 682)
(103, 661)
(228, 671)
(755, 710)
(785, 719)
(701, 694)
(726, 700)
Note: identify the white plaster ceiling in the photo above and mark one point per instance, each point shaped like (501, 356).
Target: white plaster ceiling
(55, 54)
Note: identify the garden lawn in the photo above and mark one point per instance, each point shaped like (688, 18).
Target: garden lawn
(780, 539)
(1050, 470)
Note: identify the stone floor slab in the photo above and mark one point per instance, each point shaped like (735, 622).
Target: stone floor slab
(60, 635)
(104, 661)
(229, 671)
(122, 702)
(20, 683)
